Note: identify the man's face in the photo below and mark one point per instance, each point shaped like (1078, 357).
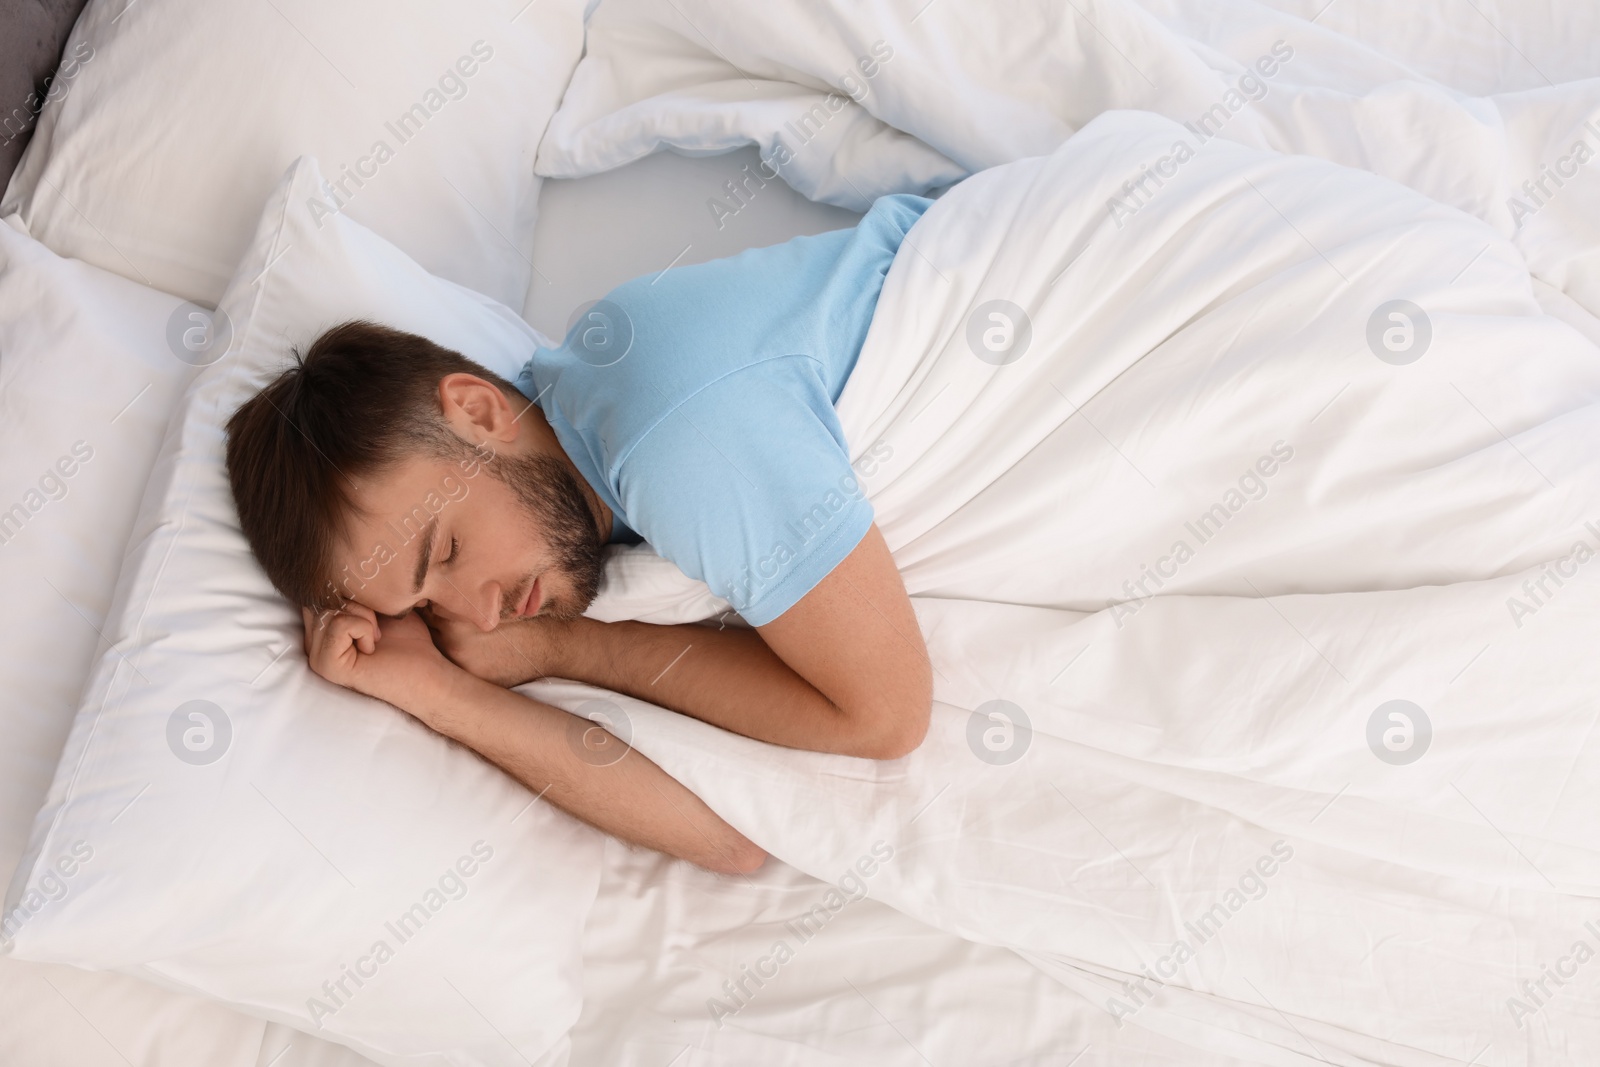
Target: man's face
(482, 540)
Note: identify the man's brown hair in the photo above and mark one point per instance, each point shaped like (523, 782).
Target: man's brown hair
(361, 399)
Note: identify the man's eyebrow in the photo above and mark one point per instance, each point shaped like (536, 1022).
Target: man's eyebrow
(425, 554)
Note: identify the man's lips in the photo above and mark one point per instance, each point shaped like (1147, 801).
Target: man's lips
(531, 603)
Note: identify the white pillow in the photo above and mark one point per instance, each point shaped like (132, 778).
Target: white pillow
(87, 384)
(84, 356)
(274, 843)
(179, 116)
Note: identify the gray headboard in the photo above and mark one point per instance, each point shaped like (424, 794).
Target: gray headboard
(32, 33)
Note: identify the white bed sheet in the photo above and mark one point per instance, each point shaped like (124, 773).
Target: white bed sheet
(599, 231)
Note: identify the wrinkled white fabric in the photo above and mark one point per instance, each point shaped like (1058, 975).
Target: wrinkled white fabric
(1182, 732)
(1462, 102)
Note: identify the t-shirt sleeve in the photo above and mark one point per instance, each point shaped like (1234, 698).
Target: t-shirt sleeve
(747, 486)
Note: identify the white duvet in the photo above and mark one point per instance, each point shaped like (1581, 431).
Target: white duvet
(1464, 100)
(1258, 582)
(1175, 560)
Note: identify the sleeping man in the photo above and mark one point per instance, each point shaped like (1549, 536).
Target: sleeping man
(692, 410)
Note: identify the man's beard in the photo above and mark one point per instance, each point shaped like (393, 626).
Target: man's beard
(556, 506)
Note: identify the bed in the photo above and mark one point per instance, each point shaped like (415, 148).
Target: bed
(1022, 885)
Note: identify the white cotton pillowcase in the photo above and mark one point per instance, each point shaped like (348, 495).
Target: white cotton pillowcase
(87, 384)
(265, 852)
(176, 118)
(83, 359)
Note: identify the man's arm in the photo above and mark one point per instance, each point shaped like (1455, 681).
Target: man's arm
(845, 670)
(630, 797)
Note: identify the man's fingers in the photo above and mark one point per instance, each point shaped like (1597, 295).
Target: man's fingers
(364, 612)
(347, 626)
(334, 631)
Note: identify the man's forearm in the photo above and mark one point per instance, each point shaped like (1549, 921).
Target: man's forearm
(727, 677)
(632, 798)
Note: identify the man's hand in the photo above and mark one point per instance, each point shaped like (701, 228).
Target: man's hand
(510, 654)
(396, 661)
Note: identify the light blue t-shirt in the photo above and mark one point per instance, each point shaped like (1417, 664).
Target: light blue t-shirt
(698, 404)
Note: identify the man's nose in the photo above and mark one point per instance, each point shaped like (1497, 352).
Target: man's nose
(480, 607)
(485, 608)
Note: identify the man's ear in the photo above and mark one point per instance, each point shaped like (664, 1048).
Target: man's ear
(476, 409)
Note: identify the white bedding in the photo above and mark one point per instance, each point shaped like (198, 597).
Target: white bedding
(595, 233)
(874, 986)
(181, 115)
(64, 323)
(1437, 95)
(1184, 741)
(1146, 792)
